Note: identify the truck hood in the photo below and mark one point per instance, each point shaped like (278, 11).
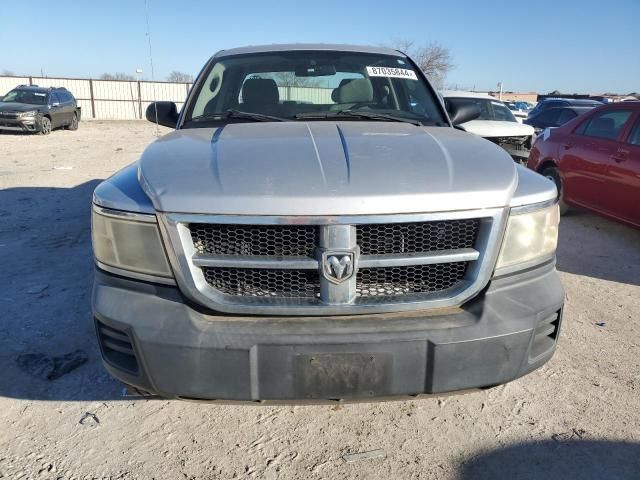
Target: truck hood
(324, 168)
(495, 128)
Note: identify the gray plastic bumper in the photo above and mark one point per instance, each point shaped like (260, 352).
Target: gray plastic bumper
(19, 125)
(150, 337)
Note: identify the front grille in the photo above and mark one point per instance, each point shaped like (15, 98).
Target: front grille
(395, 238)
(280, 268)
(259, 240)
(410, 279)
(264, 282)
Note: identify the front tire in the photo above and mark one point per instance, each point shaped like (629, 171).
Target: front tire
(553, 174)
(74, 123)
(45, 126)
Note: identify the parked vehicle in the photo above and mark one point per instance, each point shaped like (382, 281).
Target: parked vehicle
(495, 123)
(36, 109)
(594, 161)
(518, 112)
(562, 102)
(354, 247)
(555, 117)
(526, 106)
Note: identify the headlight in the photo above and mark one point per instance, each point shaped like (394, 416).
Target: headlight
(28, 114)
(530, 236)
(129, 242)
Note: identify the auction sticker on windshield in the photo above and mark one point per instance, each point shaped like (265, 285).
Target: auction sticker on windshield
(392, 72)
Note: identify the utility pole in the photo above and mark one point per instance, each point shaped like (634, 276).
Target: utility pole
(138, 75)
(500, 87)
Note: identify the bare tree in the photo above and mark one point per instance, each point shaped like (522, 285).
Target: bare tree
(180, 77)
(433, 58)
(116, 76)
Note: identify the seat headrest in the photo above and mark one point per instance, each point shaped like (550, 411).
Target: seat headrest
(335, 92)
(260, 90)
(356, 91)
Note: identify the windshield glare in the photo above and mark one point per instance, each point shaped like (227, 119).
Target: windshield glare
(290, 84)
(26, 96)
(492, 110)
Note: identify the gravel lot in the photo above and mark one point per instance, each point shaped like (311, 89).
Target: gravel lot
(577, 417)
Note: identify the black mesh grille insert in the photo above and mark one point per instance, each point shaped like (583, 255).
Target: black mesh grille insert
(411, 279)
(389, 238)
(263, 240)
(263, 282)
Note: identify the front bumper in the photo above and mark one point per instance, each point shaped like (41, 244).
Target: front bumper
(151, 338)
(26, 124)
(518, 147)
(519, 153)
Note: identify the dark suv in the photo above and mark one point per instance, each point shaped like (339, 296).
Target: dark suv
(562, 102)
(36, 109)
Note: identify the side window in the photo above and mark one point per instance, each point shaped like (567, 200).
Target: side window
(65, 97)
(54, 98)
(605, 125)
(565, 116)
(634, 137)
(548, 118)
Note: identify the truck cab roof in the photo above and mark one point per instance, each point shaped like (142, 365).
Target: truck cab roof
(288, 47)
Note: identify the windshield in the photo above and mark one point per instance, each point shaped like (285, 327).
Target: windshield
(26, 96)
(314, 85)
(492, 110)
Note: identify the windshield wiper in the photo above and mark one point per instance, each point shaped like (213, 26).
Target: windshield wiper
(258, 117)
(357, 114)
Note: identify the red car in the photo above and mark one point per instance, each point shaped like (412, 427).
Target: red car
(594, 160)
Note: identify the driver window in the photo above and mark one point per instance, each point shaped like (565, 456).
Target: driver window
(548, 118)
(634, 138)
(565, 116)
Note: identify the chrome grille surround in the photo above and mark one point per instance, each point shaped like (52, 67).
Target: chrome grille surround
(452, 285)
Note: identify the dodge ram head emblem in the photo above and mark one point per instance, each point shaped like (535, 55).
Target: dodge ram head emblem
(338, 266)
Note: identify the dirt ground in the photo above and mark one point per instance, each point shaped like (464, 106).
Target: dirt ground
(577, 417)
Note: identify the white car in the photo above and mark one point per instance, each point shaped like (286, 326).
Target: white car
(496, 123)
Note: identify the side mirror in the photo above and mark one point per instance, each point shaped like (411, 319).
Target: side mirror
(55, 104)
(164, 113)
(462, 111)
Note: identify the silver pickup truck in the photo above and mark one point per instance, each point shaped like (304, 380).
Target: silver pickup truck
(317, 228)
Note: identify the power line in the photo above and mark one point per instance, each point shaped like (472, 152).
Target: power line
(146, 10)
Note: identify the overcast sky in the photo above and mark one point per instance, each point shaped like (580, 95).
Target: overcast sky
(583, 46)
